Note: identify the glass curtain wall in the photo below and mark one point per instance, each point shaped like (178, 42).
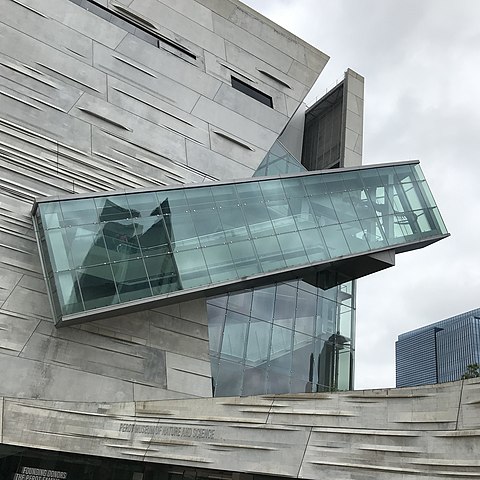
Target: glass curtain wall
(286, 338)
(110, 250)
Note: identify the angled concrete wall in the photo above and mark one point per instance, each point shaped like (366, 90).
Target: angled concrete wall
(419, 433)
(87, 106)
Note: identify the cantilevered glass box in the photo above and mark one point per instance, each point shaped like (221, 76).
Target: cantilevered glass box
(122, 251)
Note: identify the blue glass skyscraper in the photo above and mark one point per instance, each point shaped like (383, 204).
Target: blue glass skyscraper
(439, 352)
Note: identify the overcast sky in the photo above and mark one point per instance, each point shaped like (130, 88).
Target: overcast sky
(421, 63)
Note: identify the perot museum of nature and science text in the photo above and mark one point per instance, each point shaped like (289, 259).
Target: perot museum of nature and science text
(180, 241)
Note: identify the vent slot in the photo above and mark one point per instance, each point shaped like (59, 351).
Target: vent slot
(274, 78)
(233, 140)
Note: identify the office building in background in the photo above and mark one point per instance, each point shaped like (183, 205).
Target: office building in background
(439, 352)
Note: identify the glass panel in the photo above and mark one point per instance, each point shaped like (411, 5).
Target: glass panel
(97, 286)
(87, 245)
(412, 193)
(304, 216)
(277, 382)
(305, 313)
(335, 241)
(314, 245)
(303, 361)
(240, 302)
(192, 268)
(152, 235)
(208, 226)
(262, 304)
(292, 249)
(58, 250)
(131, 279)
(121, 240)
(417, 172)
(220, 301)
(182, 231)
(324, 211)
(249, 191)
(235, 336)
(78, 212)
(69, 292)
(343, 376)
(277, 161)
(404, 173)
(163, 274)
(146, 204)
(343, 207)
(345, 322)
(219, 263)
(436, 215)
(285, 305)
(362, 204)
(258, 219)
(355, 236)
(172, 201)
(229, 379)
(272, 190)
(232, 221)
(114, 208)
(51, 215)
(258, 345)
(254, 381)
(216, 322)
(373, 233)
(326, 317)
(269, 254)
(294, 187)
(352, 181)
(281, 348)
(199, 198)
(245, 258)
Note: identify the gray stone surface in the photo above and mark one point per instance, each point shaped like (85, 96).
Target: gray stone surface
(86, 106)
(353, 108)
(430, 432)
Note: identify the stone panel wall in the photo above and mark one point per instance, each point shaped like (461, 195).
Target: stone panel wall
(86, 105)
(421, 433)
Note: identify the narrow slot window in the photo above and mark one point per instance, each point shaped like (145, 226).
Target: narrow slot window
(134, 27)
(252, 92)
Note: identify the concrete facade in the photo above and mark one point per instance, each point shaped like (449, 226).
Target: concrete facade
(420, 433)
(88, 106)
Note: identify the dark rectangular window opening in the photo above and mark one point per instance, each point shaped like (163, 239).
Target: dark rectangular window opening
(135, 28)
(252, 92)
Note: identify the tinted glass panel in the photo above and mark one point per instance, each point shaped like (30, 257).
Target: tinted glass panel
(147, 244)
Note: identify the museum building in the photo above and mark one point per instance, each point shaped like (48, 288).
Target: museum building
(179, 231)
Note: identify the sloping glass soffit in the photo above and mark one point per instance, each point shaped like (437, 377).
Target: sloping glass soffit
(115, 252)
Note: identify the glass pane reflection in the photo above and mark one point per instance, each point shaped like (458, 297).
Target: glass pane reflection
(290, 339)
(212, 234)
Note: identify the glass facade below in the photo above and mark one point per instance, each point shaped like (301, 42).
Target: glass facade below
(111, 249)
(285, 338)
